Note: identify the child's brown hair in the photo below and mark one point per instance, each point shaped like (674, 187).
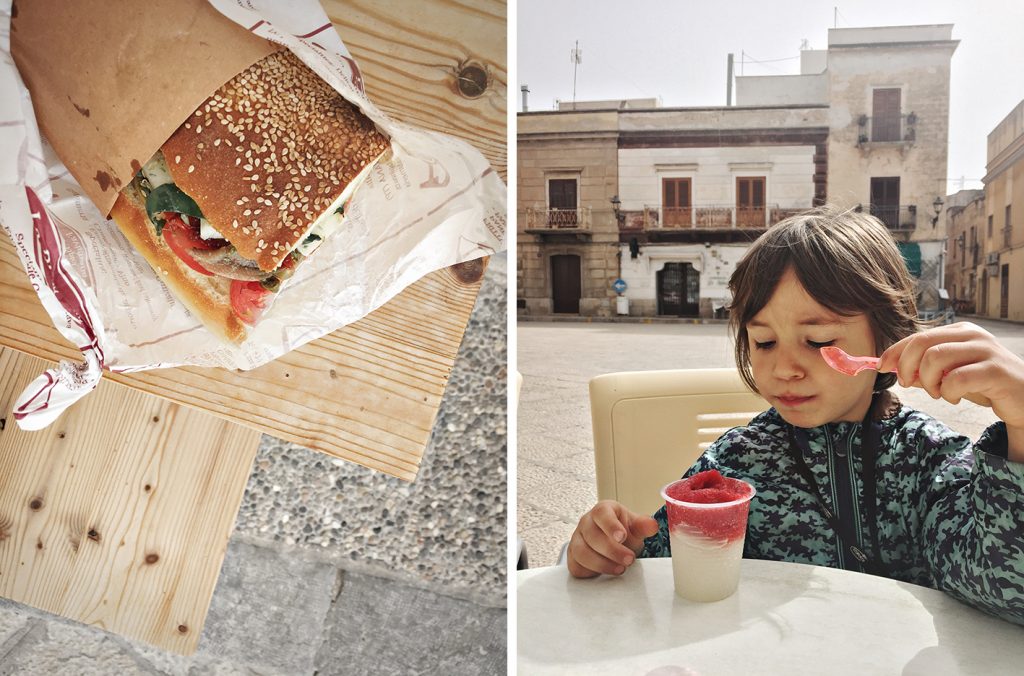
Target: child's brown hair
(846, 260)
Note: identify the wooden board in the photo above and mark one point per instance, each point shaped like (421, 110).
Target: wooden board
(119, 514)
(370, 392)
(439, 65)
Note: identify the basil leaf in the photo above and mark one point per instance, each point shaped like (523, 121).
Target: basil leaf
(312, 238)
(169, 197)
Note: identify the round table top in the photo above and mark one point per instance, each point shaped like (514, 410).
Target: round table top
(786, 618)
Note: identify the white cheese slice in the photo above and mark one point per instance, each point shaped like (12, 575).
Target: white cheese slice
(206, 230)
(156, 171)
(330, 220)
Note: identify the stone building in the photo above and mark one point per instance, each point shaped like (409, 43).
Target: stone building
(986, 238)
(965, 214)
(668, 199)
(1001, 287)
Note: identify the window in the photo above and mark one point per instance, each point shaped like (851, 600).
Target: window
(990, 226)
(675, 202)
(974, 245)
(885, 116)
(750, 199)
(562, 203)
(1008, 228)
(885, 200)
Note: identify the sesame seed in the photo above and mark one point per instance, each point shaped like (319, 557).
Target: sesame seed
(191, 168)
(177, 159)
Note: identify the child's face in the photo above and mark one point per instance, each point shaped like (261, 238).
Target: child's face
(785, 337)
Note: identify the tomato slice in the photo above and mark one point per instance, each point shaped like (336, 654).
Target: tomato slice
(248, 300)
(179, 237)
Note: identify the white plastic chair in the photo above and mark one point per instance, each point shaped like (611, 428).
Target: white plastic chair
(650, 426)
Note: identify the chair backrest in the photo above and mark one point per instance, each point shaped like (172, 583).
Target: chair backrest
(651, 426)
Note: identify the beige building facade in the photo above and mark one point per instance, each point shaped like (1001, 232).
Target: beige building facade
(966, 225)
(662, 202)
(1001, 287)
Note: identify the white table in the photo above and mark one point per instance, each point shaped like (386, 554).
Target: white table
(785, 619)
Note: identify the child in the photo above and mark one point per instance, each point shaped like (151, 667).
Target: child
(845, 476)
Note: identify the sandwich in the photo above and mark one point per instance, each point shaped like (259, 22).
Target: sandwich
(247, 188)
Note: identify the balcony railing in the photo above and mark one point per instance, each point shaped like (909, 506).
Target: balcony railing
(897, 218)
(896, 129)
(715, 217)
(558, 219)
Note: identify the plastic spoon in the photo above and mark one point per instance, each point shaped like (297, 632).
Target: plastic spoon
(848, 364)
(851, 366)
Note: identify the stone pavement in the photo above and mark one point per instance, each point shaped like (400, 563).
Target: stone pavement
(555, 465)
(337, 569)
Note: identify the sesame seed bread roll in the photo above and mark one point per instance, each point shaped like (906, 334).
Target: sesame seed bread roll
(268, 153)
(266, 159)
(206, 297)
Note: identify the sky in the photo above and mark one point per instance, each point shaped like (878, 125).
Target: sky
(677, 50)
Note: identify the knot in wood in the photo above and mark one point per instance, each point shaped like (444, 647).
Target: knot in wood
(472, 80)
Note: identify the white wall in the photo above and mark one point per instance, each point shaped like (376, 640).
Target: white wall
(781, 90)
(713, 172)
(715, 264)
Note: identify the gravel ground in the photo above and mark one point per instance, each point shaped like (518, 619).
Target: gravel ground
(446, 530)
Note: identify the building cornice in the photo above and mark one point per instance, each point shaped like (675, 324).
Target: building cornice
(674, 138)
(952, 44)
(676, 109)
(1011, 155)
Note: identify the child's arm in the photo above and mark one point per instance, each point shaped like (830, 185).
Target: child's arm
(963, 514)
(953, 361)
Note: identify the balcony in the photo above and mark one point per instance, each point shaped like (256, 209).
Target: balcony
(715, 217)
(896, 129)
(901, 218)
(561, 220)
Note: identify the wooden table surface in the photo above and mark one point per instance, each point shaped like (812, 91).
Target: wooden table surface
(369, 392)
(118, 515)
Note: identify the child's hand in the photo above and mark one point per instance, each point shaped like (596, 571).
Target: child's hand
(953, 361)
(607, 540)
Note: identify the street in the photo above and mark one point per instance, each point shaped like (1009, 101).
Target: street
(555, 449)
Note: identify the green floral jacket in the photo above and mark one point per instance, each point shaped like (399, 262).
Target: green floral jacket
(951, 515)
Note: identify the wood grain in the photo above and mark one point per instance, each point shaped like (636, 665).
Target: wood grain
(412, 54)
(368, 392)
(119, 514)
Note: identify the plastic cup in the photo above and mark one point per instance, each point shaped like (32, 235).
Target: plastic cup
(707, 542)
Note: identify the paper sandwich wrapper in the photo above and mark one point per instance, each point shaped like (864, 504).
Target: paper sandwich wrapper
(110, 82)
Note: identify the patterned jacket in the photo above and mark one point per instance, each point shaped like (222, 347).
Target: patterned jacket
(951, 517)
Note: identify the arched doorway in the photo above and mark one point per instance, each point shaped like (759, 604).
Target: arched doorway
(678, 290)
(566, 285)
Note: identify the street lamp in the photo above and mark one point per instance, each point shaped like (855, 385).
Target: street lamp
(937, 205)
(616, 207)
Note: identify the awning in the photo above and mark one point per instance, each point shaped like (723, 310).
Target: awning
(911, 256)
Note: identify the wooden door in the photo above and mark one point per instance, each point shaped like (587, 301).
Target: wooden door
(750, 198)
(885, 115)
(885, 200)
(675, 203)
(566, 287)
(562, 203)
